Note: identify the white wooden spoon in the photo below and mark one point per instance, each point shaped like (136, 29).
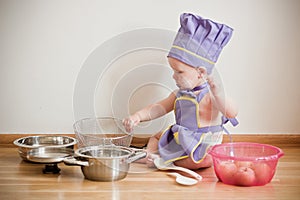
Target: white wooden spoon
(183, 180)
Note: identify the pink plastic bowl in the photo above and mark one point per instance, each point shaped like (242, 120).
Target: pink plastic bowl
(244, 163)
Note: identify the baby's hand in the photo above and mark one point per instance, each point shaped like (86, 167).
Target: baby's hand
(130, 122)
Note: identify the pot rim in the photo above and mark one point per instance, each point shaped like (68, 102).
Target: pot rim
(78, 152)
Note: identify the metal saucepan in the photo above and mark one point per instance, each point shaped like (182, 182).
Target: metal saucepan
(104, 163)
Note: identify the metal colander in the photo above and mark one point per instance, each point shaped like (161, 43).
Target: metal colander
(101, 131)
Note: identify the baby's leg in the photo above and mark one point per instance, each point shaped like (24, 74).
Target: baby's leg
(152, 150)
(189, 163)
(152, 146)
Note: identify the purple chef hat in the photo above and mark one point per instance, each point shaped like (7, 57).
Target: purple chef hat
(199, 41)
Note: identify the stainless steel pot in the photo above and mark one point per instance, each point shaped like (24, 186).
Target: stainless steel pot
(30, 147)
(104, 163)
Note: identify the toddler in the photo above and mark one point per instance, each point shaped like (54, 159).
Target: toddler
(200, 105)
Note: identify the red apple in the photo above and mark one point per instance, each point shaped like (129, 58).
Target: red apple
(245, 176)
(227, 171)
(263, 173)
(244, 164)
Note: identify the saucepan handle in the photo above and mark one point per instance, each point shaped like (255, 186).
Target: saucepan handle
(139, 154)
(71, 160)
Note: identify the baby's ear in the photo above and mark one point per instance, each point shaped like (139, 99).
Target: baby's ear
(202, 70)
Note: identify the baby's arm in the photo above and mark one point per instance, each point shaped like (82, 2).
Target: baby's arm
(150, 112)
(220, 100)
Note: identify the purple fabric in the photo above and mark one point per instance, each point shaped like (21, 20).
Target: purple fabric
(204, 87)
(200, 87)
(189, 134)
(186, 126)
(199, 41)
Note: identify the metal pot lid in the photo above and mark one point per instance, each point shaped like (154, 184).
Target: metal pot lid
(45, 141)
(104, 152)
(48, 154)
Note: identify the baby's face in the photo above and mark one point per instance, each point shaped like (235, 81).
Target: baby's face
(185, 76)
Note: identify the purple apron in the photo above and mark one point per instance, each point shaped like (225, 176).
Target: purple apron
(187, 138)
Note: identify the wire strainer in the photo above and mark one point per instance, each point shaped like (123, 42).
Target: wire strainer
(101, 131)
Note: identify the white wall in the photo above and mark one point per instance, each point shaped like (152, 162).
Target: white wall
(45, 44)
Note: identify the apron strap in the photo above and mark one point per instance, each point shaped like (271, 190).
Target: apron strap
(217, 128)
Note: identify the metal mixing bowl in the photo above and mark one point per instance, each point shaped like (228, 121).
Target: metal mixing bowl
(30, 144)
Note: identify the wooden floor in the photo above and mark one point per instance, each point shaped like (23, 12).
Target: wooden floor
(23, 180)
